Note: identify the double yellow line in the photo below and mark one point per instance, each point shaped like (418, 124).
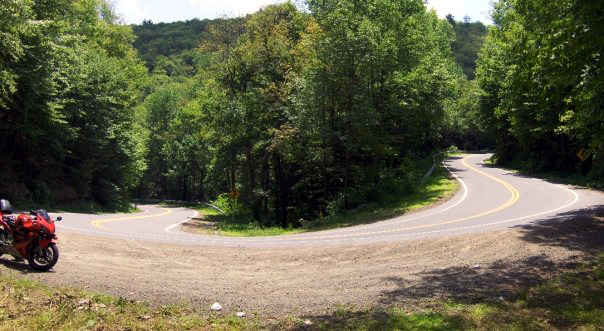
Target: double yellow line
(99, 223)
(513, 199)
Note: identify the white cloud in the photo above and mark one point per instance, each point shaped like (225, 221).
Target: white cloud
(229, 7)
(130, 9)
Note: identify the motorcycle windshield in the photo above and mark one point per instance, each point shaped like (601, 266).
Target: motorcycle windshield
(44, 214)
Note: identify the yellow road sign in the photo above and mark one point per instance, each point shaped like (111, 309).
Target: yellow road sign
(583, 154)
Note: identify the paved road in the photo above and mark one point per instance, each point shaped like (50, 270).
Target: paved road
(489, 199)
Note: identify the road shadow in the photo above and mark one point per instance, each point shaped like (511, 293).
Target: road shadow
(581, 232)
(456, 171)
(10, 263)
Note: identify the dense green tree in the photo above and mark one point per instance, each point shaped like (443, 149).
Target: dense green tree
(71, 83)
(382, 79)
(306, 113)
(540, 72)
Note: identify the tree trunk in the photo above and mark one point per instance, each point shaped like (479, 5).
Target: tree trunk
(185, 189)
(346, 179)
(232, 176)
(280, 200)
(264, 182)
(251, 195)
(202, 191)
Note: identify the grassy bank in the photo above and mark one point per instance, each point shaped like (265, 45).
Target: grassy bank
(573, 300)
(29, 305)
(439, 187)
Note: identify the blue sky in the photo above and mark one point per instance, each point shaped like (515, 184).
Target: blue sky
(134, 11)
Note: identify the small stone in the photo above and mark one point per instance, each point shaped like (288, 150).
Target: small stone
(100, 305)
(307, 323)
(240, 314)
(501, 299)
(216, 307)
(144, 317)
(84, 302)
(476, 266)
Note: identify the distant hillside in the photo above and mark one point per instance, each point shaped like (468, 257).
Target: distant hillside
(468, 41)
(167, 39)
(171, 39)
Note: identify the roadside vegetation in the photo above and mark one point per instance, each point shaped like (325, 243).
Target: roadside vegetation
(572, 300)
(540, 79)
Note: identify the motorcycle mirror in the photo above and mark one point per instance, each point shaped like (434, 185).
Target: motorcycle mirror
(59, 219)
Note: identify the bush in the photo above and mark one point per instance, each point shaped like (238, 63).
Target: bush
(453, 149)
(229, 205)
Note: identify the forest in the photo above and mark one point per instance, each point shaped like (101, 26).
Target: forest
(290, 113)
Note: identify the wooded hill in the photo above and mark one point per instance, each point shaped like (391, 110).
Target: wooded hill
(177, 40)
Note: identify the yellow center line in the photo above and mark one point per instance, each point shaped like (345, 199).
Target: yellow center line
(513, 199)
(98, 223)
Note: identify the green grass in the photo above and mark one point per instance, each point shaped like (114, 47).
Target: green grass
(573, 300)
(438, 187)
(240, 226)
(30, 305)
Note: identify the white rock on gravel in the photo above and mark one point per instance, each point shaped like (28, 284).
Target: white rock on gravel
(307, 323)
(240, 314)
(216, 307)
(84, 302)
(476, 266)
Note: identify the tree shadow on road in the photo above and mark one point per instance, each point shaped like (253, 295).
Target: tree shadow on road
(581, 232)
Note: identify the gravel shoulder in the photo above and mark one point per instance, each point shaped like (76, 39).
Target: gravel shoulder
(315, 281)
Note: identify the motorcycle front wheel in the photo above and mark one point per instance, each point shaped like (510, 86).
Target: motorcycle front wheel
(43, 260)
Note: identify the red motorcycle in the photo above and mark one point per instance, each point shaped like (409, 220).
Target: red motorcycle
(30, 237)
